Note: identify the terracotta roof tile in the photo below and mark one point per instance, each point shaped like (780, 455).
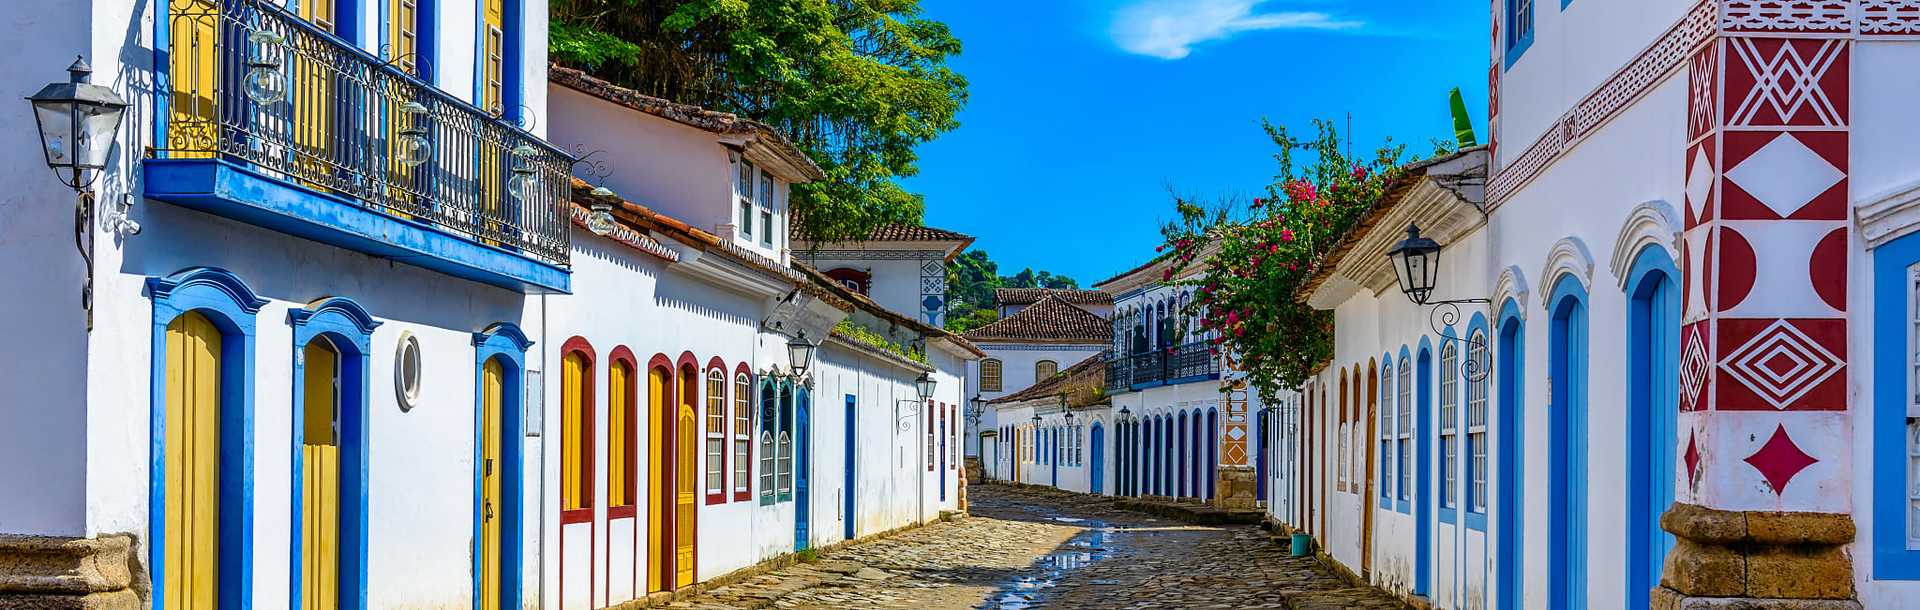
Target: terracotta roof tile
(1051, 320)
(1028, 296)
(1088, 373)
(685, 114)
(906, 232)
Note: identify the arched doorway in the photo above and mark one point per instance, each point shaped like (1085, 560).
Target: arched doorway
(1653, 351)
(1097, 472)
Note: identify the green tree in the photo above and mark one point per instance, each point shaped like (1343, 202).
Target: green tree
(971, 281)
(858, 84)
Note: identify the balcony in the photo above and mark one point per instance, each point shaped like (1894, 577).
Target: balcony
(1184, 363)
(351, 151)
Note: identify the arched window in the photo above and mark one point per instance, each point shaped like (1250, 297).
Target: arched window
(1386, 436)
(1449, 426)
(769, 420)
(853, 279)
(990, 375)
(576, 429)
(742, 435)
(1477, 423)
(785, 438)
(1403, 409)
(1044, 370)
(621, 428)
(717, 421)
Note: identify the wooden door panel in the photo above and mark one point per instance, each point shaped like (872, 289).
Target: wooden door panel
(191, 464)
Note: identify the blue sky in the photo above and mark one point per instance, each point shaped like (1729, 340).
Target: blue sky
(1084, 112)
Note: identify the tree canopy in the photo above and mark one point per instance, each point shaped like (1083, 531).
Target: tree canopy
(857, 84)
(973, 277)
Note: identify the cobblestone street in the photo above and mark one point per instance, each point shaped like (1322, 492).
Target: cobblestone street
(1025, 548)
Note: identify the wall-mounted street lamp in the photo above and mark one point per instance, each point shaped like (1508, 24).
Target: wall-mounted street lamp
(925, 385)
(1126, 415)
(1416, 262)
(800, 354)
(78, 123)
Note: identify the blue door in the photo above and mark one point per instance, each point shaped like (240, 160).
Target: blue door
(802, 462)
(1053, 457)
(1653, 351)
(1423, 515)
(851, 483)
(943, 456)
(1099, 471)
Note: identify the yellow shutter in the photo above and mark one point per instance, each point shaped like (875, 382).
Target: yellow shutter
(192, 464)
(320, 451)
(657, 386)
(619, 412)
(192, 119)
(493, 390)
(572, 436)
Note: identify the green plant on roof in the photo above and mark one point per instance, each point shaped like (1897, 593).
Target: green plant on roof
(865, 336)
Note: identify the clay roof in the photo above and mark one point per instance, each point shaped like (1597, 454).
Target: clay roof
(1028, 296)
(907, 232)
(724, 123)
(1051, 320)
(1077, 382)
(831, 286)
(1411, 175)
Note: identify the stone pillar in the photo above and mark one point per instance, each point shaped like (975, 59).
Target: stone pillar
(1234, 480)
(40, 572)
(1763, 491)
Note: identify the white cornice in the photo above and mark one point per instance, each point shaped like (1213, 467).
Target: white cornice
(1511, 285)
(1889, 214)
(1650, 223)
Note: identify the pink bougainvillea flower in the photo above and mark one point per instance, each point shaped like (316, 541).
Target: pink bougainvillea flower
(1273, 248)
(1286, 235)
(1359, 172)
(1166, 275)
(1160, 248)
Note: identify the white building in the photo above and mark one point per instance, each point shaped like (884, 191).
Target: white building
(1695, 291)
(1057, 432)
(1031, 346)
(363, 352)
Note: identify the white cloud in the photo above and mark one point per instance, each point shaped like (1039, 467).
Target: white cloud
(1168, 29)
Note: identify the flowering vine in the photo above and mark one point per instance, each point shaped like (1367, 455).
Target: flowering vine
(1256, 257)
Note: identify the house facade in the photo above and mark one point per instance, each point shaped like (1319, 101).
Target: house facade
(1029, 348)
(359, 330)
(1666, 360)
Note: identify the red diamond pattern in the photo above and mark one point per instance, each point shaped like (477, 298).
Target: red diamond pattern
(1781, 364)
(1779, 460)
(1693, 370)
(1693, 460)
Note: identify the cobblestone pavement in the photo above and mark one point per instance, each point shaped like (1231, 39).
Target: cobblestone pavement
(1026, 548)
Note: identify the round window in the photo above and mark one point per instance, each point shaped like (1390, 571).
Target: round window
(406, 371)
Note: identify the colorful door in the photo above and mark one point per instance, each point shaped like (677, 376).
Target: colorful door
(312, 96)
(802, 457)
(191, 550)
(943, 455)
(320, 462)
(492, 499)
(851, 482)
(193, 70)
(686, 477)
(1098, 474)
(1372, 398)
(659, 477)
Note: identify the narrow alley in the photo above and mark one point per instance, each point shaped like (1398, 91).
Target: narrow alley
(1031, 548)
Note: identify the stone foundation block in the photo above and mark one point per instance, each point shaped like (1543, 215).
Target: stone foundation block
(60, 573)
(1754, 560)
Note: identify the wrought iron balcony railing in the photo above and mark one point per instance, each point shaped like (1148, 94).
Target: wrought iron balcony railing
(345, 123)
(1163, 365)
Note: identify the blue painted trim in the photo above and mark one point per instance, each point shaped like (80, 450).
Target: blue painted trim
(1567, 443)
(513, 63)
(427, 40)
(1508, 442)
(850, 497)
(1423, 484)
(1097, 474)
(786, 426)
(231, 306)
(1892, 560)
(1517, 40)
(505, 342)
(350, 329)
(1213, 450)
(1448, 514)
(1653, 371)
(224, 188)
(1476, 516)
(802, 462)
(1384, 434)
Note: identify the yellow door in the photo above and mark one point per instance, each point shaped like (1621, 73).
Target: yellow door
(320, 452)
(192, 464)
(193, 26)
(686, 468)
(573, 486)
(493, 388)
(657, 476)
(619, 452)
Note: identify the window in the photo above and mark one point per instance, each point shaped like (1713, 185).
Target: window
(404, 33)
(742, 436)
(1340, 472)
(1404, 408)
(953, 437)
(1519, 28)
(620, 434)
(493, 91)
(853, 279)
(990, 375)
(786, 442)
(769, 419)
(1044, 369)
(1913, 483)
(929, 430)
(716, 435)
(576, 429)
(766, 209)
(1386, 435)
(745, 190)
(1449, 426)
(1477, 423)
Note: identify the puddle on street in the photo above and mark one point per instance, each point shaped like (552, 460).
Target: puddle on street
(1029, 590)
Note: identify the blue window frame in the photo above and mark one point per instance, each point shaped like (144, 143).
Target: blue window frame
(1508, 445)
(231, 306)
(349, 329)
(1449, 428)
(1385, 434)
(1896, 435)
(1518, 28)
(1403, 433)
(1475, 467)
(1653, 372)
(505, 344)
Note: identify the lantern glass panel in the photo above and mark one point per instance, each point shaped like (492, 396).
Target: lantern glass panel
(56, 131)
(97, 126)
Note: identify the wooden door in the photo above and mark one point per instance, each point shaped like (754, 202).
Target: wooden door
(659, 472)
(686, 478)
(1372, 398)
(320, 477)
(191, 552)
(492, 404)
